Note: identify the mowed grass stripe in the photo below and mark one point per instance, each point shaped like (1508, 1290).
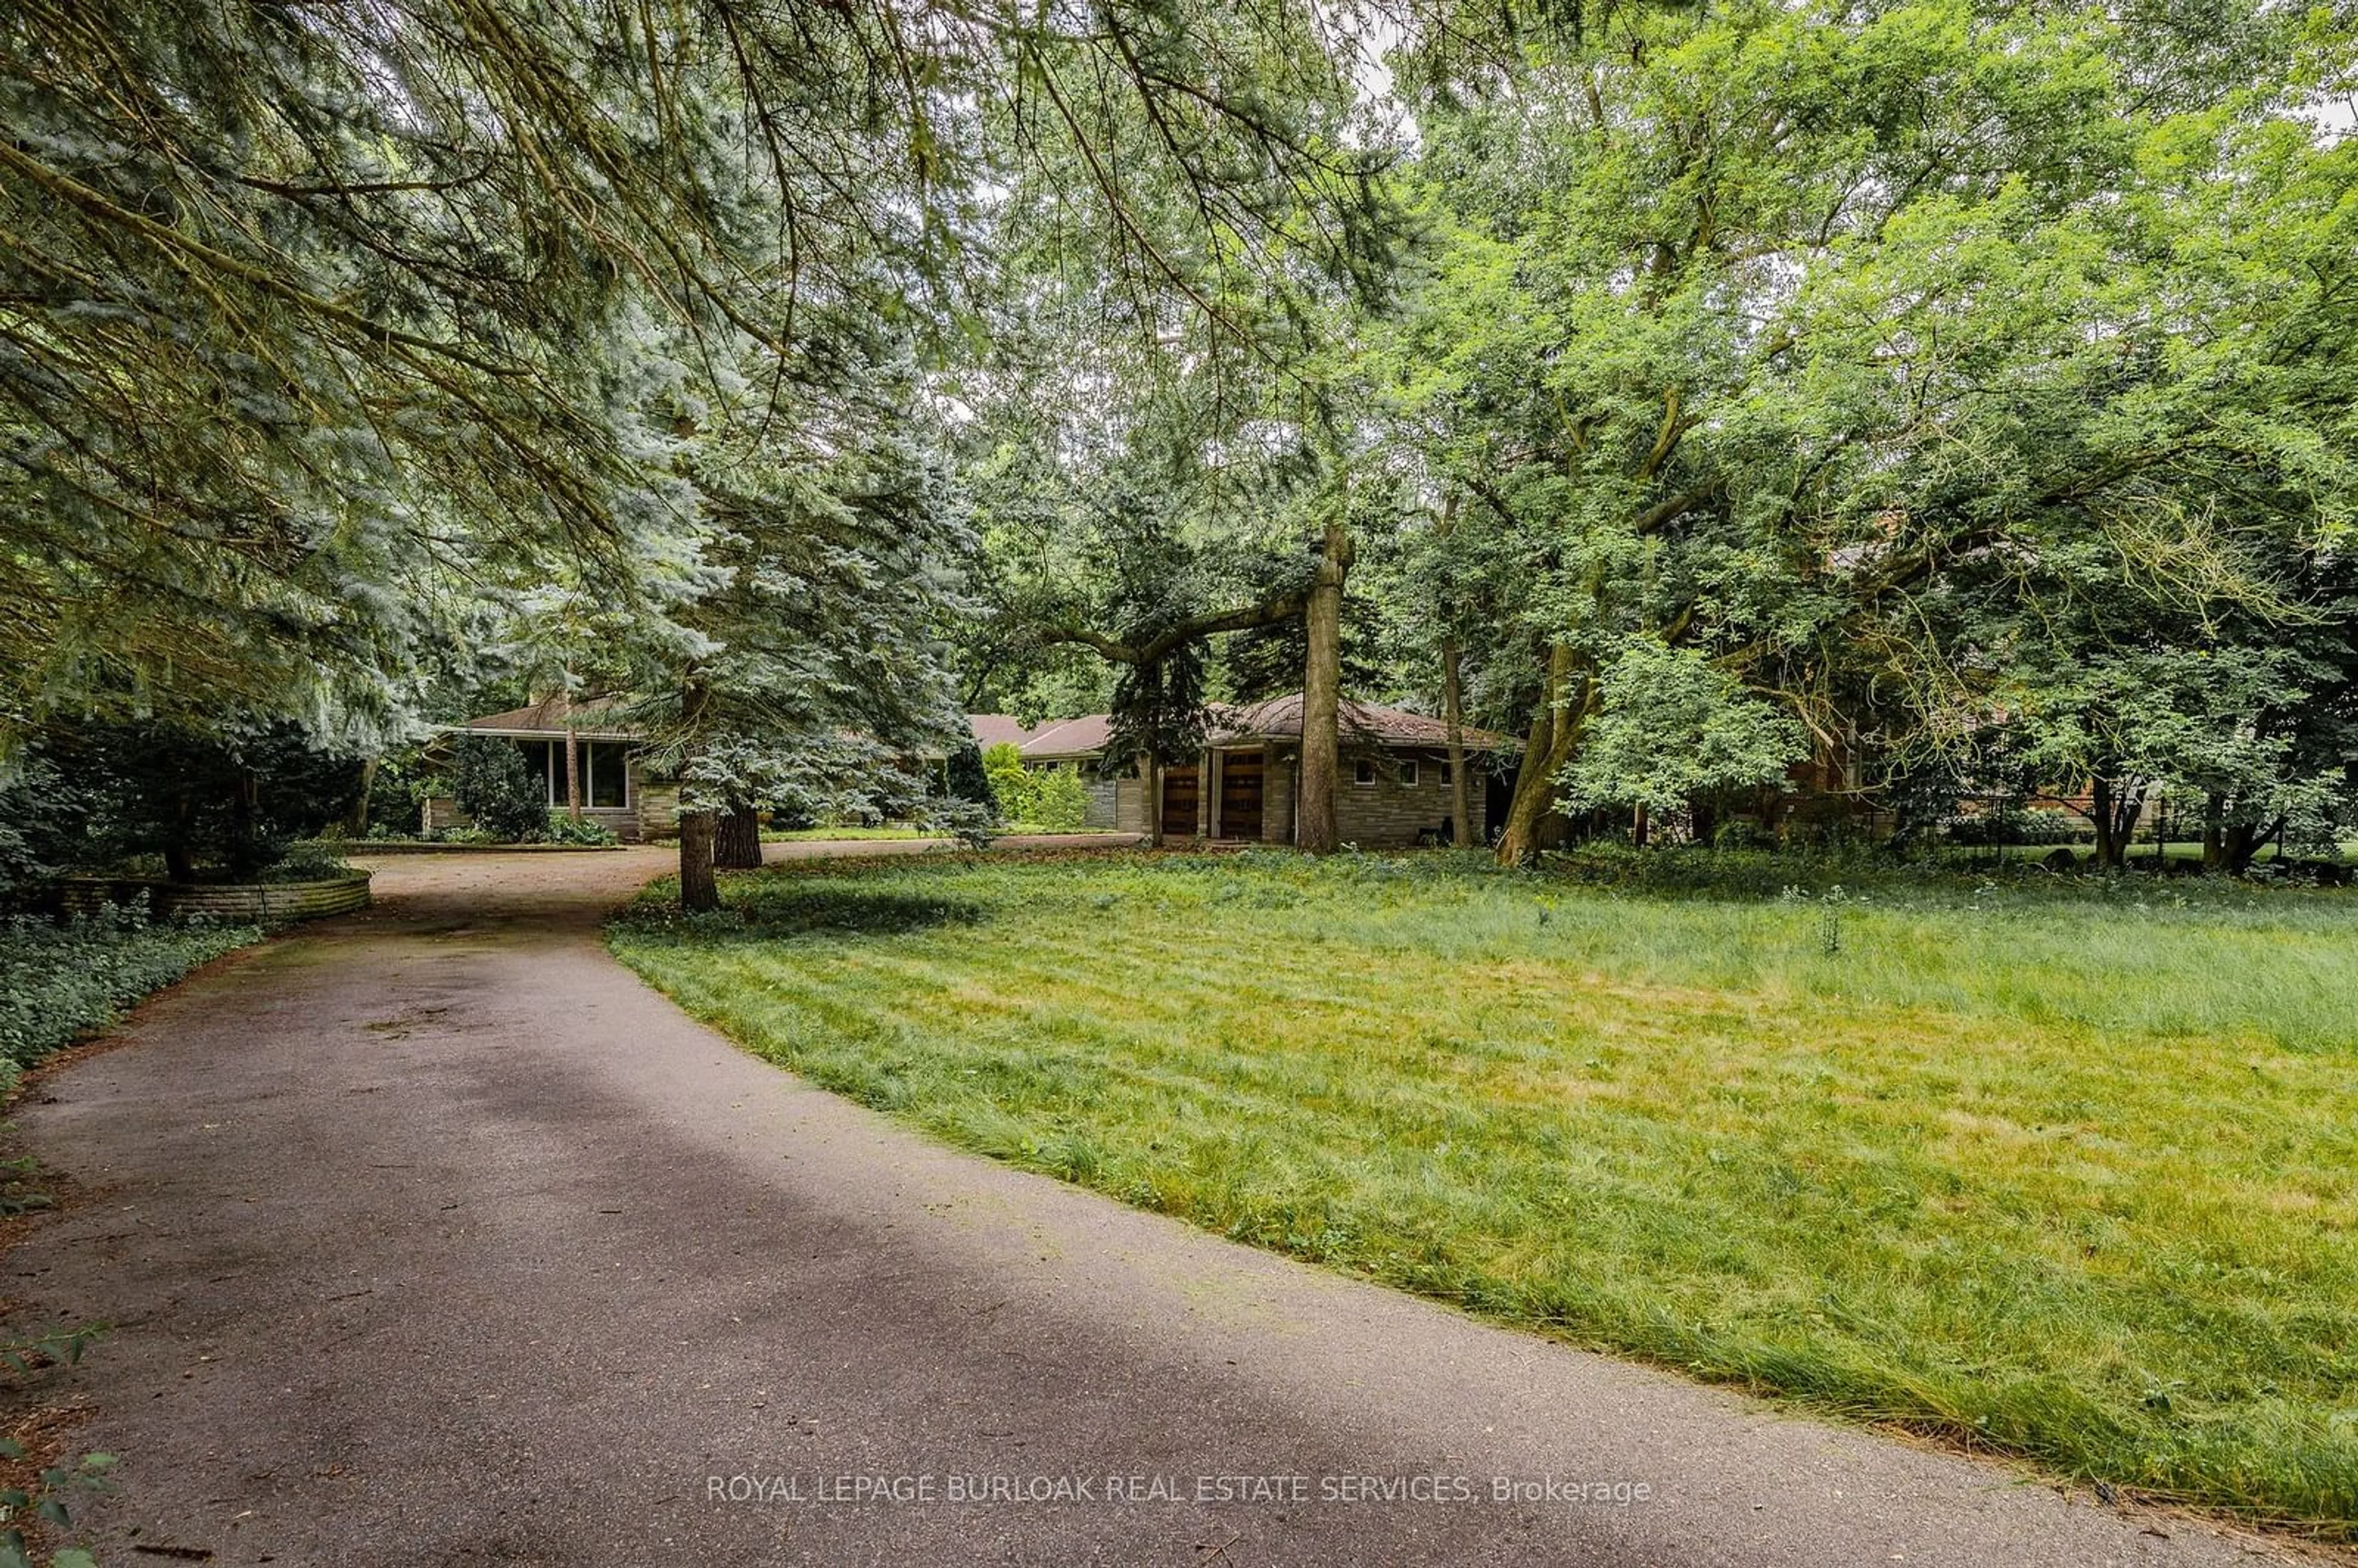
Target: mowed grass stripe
(1886, 1180)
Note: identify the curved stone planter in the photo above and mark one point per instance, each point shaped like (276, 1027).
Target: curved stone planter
(257, 903)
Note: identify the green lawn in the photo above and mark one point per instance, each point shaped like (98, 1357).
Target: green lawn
(2068, 1169)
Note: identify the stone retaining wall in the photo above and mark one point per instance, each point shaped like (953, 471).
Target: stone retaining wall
(263, 903)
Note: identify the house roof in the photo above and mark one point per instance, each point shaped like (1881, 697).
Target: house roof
(1362, 723)
(592, 717)
(1279, 719)
(999, 730)
(1083, 736)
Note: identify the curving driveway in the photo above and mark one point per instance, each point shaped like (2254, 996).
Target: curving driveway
(436, 1238)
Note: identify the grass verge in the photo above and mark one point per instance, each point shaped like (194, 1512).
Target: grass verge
(2064, 1168)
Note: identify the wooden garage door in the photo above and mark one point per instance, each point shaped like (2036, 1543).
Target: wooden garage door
(1179, 796)
(1240, 774)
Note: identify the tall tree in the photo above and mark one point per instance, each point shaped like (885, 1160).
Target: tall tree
(1840, 349)
(317, 318)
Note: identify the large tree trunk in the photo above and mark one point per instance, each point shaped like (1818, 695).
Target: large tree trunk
(2230, 847)
(356, 820)
(1322, 680)
(1461, 817)
(2100, 811)
(736, 840)
(700, 890)
(2115, 810)
(1555, 727)
(1151, 775)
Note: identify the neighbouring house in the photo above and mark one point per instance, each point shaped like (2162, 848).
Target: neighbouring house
(1394, 789)
(616, 790)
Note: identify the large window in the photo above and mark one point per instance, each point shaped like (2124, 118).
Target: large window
(605, 767)
(1363, 771)
(1408, 772)
(605, 771)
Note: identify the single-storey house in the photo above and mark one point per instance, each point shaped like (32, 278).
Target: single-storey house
(615, 789)
(1395, 787)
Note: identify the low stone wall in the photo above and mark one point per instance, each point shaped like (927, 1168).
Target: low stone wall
(261, 903)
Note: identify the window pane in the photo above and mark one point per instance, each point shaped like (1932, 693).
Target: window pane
(536, 762)
(1408, 772)
(608, 784)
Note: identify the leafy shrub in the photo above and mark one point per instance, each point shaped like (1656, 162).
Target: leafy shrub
(1060, 801)
(2020, 827)
(398, 792)
(490, 783)
(309, 861)
(969, 778)
(228, 800)
(1010, 785)
(1054, 799)
(60, 981)
(563, 829)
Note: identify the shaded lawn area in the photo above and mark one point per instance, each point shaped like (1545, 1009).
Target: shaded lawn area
(2069, 1170)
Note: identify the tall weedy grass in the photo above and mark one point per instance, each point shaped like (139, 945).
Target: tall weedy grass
(2067, 1168)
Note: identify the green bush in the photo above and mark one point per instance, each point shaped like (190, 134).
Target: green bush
(967, 778)
(490, 783)
(63, 981)
(1060, 800)
(562, 829)
(309, 861)
(1010, 785)
(1054, 799)
(205, 804)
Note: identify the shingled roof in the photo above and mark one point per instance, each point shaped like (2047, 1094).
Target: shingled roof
(1362, 723)
(1279, 719)
(1083, 736)
(999, 730)
(591, 718)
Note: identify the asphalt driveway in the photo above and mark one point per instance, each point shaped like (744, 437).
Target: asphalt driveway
(433, 1237)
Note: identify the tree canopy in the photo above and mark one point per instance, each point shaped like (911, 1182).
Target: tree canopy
(1952, 400)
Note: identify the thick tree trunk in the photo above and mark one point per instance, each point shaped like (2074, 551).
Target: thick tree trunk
(700, 890)
(1555, 727)
(698, 887)
(1152, 772)
(1322, 680)
(2116, 811)
(1452, 714)
(356, 820)
(179, 864)
(2214, 832)
(1639, 826)
(736, 840)
(572, 772)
